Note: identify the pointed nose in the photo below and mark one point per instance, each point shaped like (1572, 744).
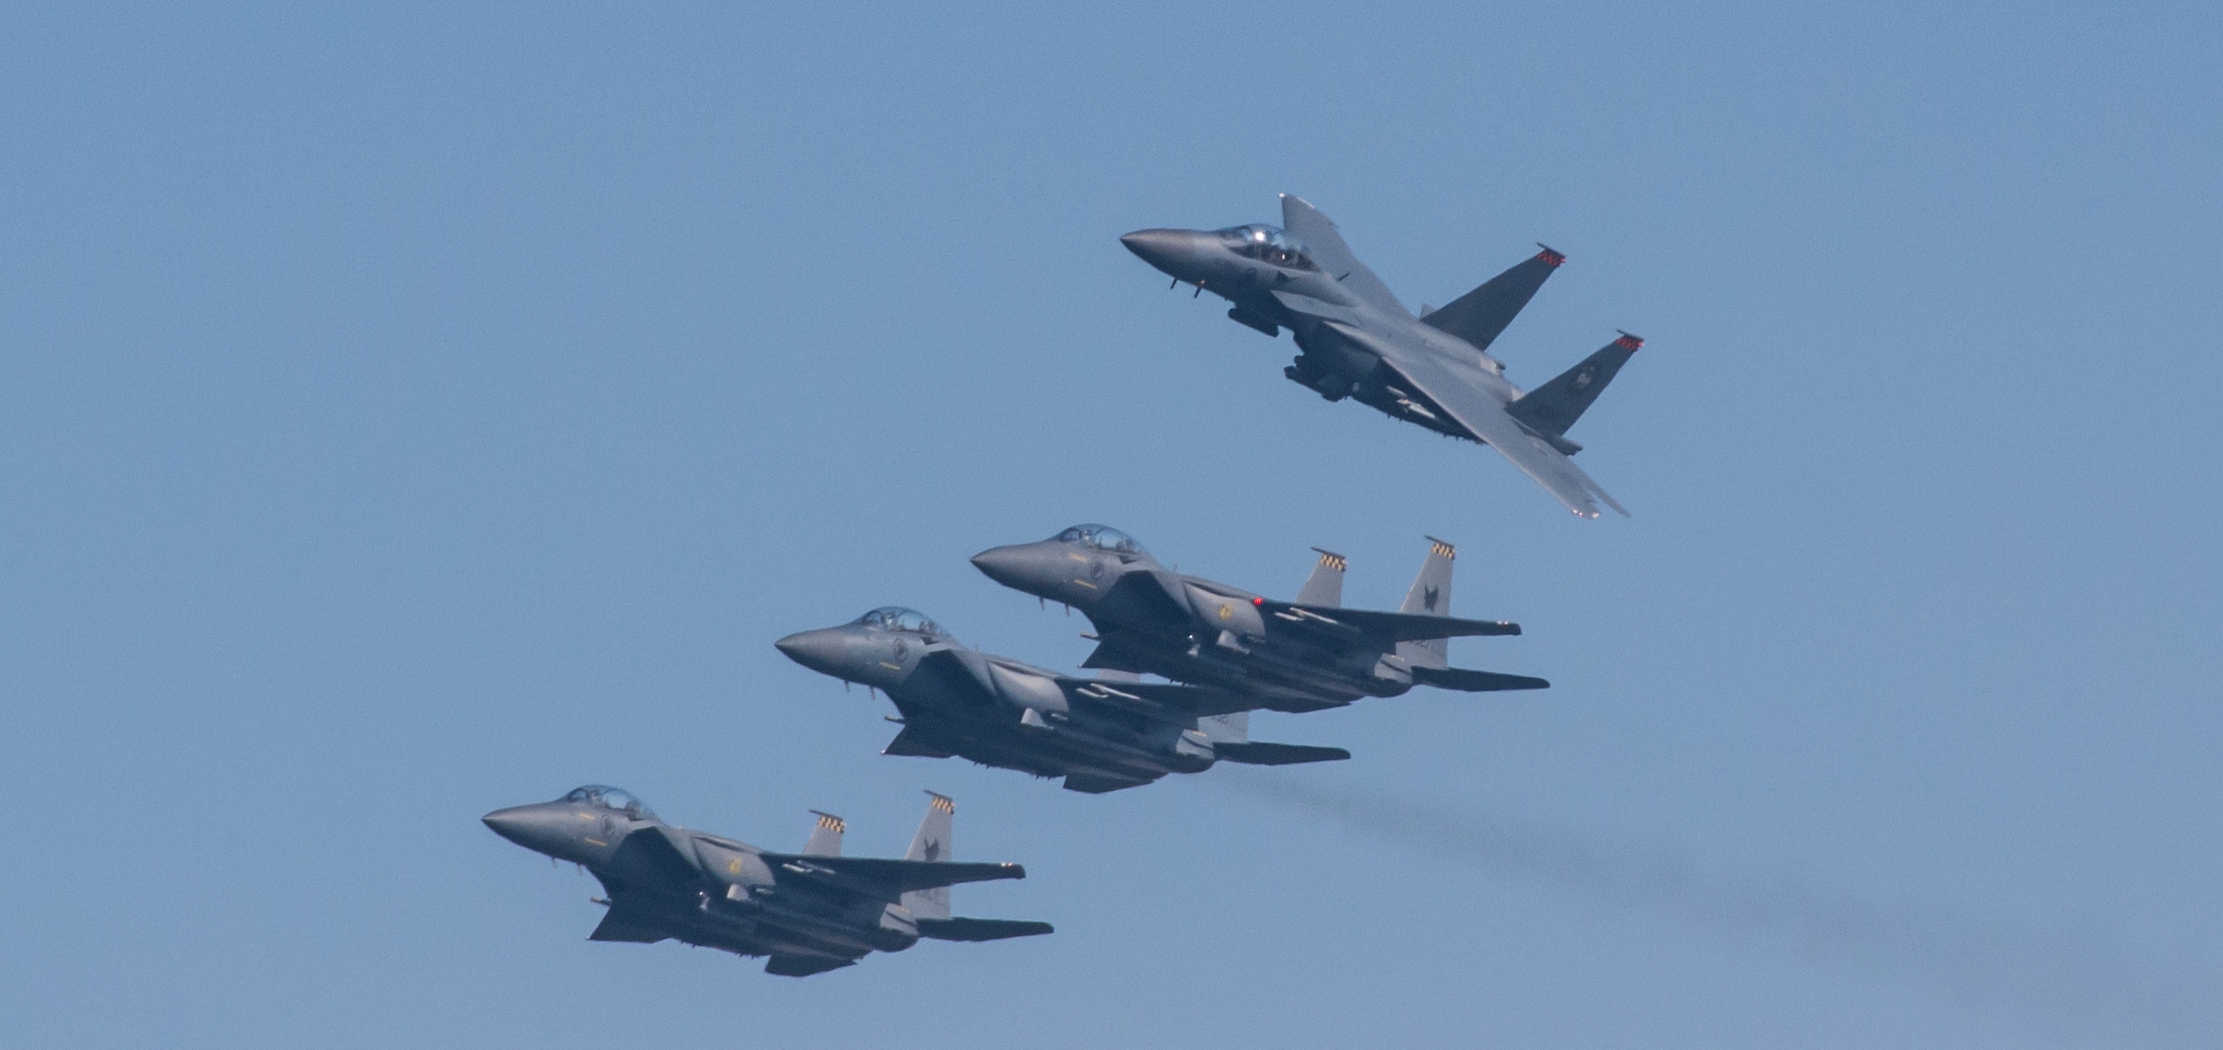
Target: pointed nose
(1005, 565)
(1173, 251)
(515, 824)
(822, 650)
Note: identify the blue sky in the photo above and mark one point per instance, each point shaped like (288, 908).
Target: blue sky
(407, 413)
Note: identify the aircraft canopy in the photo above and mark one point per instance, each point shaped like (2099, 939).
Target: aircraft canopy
(1101, 537)
(898, 618)
(610, 798)
(1268, 244)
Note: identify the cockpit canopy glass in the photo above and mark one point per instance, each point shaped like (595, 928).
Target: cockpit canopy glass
(1269, 244)
(611, 798)
(898, 618)
(1101, 537)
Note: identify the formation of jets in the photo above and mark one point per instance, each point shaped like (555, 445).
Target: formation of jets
(1213, 652)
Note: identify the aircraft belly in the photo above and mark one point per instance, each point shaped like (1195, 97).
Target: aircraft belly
(1056, 752)
(796, 920)
(1332, 360)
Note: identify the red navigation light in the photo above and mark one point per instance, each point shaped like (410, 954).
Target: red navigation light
(1258, 601)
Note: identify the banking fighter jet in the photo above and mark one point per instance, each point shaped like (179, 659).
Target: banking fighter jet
(1356, 340)
(1301, 655)
(1100, 734)
(811, 911)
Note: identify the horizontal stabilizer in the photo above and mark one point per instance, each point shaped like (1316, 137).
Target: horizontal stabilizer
(1093, 785)
(1467, 681)
(1552, 408)
(1480, 315)
(804, 965)
(1261, 754)
(963, 929)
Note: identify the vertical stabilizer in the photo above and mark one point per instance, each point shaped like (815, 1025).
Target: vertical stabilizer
(825, 839)
(1555, 406)
(1481, 314)
(1430, 596)
(1325, 588)
(931, 844)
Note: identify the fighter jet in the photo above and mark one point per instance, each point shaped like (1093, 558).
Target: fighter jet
(1100, 734)
(811, 911)
(1356, 340)
(1303, 655)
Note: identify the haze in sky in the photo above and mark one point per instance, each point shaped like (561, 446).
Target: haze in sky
(411, 412)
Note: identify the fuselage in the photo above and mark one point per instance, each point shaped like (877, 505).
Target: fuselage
(705, 889)
(1149, 619)
(1249, 265)
(990, 709)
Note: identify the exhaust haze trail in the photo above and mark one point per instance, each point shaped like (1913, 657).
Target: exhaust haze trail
(2083, 986)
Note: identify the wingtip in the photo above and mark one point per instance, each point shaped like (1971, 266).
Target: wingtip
(1629, 341)
(1551, 256)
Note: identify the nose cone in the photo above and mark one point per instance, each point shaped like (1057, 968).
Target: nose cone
(1176, 252)
(532, 827)
(1019, 567)
(823, 651)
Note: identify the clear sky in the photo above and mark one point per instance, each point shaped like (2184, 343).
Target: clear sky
(413, 412)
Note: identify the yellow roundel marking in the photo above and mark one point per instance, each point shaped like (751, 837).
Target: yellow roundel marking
(1226, 613)
(733, 867)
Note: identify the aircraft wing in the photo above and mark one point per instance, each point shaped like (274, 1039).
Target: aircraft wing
(1181, 702)
(1143, 598)
(947, 673)
(960, 928)
(1466, 681)
(887, 879)
(1386, 626)
(1318, 232)
(650, 858)
(804, 965)
(1484, 417)
(625, 922)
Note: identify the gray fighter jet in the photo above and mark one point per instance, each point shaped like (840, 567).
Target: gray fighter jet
(1100, 734)
(1357, 341)
(811, 911)
(1293, 656)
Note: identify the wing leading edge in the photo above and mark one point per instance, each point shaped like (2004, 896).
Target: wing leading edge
(1387, 626)
(889, 879)
(1319, 233)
